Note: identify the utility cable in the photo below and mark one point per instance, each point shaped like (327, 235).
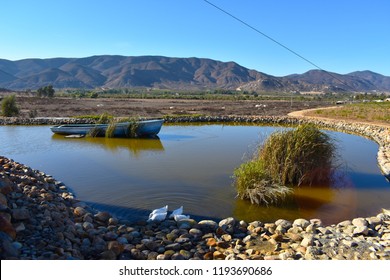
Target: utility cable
(276, 42)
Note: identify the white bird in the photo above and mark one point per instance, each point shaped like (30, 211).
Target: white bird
(158, 214)
(177, 211)
(181, 217)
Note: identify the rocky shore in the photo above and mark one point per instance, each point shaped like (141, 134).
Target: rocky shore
(41, 219)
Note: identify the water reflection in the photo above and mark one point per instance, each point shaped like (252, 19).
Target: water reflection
(135, 145)
(192, 166)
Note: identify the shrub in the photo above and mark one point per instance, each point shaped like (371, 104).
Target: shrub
(9, 107)
(286, 159)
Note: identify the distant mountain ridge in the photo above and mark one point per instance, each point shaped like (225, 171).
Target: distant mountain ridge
(114, 71)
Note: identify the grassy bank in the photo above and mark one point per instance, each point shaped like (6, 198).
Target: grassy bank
(369, 112)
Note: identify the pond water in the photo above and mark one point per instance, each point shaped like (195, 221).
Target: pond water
(192, 165)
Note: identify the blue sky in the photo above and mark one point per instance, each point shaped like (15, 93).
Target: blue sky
(338, 35)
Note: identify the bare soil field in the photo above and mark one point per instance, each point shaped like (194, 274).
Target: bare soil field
(124, 107)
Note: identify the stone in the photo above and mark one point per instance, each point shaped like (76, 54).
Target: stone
(87, 226)
(7, 227)
(108, 255)
(226, 237)
(195, 232)
(207, 225)
(373, 222)
(360, 230)
(173, 247)
(283, 223)
(79, 211)
(316, 222)
(3, 201)
(307, 241)
(302, 223)
(228, 222)
(218, 256)
(21, 214)
(359, 222)
(211, 242)
(294, 237)
(344, 223)
(103, 217)
(208, 256)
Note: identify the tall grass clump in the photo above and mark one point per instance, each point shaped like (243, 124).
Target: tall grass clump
(94, 132)
(110, 131)
(286, 159)
(132, 128)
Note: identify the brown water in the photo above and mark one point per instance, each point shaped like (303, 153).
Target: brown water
(192, 166)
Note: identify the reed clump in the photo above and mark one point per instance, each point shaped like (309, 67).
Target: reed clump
(94, 132)
(287, 159)
(110, 130)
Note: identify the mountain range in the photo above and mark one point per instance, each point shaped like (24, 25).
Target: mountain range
(113, 71)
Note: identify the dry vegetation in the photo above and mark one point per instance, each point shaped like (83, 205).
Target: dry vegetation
(367, 112)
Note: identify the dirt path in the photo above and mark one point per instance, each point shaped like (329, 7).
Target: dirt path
(306, 114)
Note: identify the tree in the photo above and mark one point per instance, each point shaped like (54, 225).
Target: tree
(47, 91)
(8, 106)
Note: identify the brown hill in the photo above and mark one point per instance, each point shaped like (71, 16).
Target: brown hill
(112, 71)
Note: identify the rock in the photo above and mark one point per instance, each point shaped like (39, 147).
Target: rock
(283, 223)
(218, 256)
(208, 225)
(211, 242)
(316, 222)
(226, 237)
(302, 223)
(307, 241)
(87, 226)
(7, 227)
(344, 223)
(195, 232)
(360, 230)
(108, 255)
(79, 211)
(103, 217)
(373, 222)
(173, 247)
(21, 214)
(359, 222)
(228, 222)
(294, 237)
(6, 186)
(3, 201)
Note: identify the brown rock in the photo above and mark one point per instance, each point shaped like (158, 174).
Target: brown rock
(3, 200)
(79, 211)
(6, 186)
(208, 256)
(218, 256)
(7, 227)
(211, 242)
(115, 247)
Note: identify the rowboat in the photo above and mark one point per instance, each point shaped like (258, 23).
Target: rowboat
(144, 128)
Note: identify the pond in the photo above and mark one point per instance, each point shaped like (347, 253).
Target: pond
(192, 166)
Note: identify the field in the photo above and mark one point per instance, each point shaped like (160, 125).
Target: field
(125, 107)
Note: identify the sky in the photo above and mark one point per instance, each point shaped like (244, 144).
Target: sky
(336, 35)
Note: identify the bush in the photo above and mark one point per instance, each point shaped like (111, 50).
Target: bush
(9, 107)
(287, 159)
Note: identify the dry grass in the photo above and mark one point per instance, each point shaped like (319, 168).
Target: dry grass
(287, 159)
(367, 112)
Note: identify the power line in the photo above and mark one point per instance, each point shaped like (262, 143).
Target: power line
(275, 41)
